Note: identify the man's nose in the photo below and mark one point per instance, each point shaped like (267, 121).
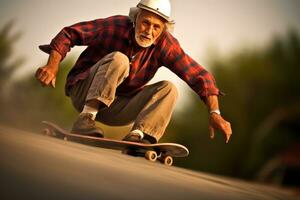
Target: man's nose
(149, 30)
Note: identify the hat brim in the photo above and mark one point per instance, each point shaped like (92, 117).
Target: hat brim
(168, 19)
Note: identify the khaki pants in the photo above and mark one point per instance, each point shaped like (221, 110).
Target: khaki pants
(150, 109)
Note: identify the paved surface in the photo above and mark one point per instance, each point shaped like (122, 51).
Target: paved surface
(34, 166)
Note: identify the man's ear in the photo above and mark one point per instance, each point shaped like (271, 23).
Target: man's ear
(136, 18)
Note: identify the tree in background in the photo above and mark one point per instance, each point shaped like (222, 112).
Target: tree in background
(25, 103)
(8, 64)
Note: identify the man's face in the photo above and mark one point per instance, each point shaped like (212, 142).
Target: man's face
(148, 28)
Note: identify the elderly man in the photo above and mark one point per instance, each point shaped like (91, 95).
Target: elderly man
(108, 81)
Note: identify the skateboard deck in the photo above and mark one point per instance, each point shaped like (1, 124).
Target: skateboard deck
(163, 152)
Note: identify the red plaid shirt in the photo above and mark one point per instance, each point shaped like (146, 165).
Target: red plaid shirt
(116, 33)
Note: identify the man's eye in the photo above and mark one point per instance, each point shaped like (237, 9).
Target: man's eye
(157, 27)
(146, 23)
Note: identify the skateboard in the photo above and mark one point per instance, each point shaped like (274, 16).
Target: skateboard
(163, 152)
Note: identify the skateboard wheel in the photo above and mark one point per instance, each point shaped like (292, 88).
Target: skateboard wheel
(47, 132)
(168, 160)
(151, 155)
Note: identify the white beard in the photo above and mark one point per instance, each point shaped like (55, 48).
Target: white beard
(141, 43)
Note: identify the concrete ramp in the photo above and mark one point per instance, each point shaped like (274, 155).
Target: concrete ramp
(33, 166)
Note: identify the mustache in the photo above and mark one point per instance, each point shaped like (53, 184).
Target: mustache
(146, 36)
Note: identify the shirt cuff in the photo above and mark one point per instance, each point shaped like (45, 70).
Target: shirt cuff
(209, 92)
(46, 48)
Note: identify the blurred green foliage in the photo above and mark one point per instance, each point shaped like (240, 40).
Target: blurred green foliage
(26, 103)
(262, 103)
(7, 66)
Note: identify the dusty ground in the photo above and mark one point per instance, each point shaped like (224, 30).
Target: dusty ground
(34, 166)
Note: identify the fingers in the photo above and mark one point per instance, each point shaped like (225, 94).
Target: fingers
(227, 137)
(211, 132)
(45, 77)
(40, 74)
(48, 79)
(217, 122)
(53, 82)
(227, 131)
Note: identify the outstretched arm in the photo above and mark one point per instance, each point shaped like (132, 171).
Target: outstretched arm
(200, 80)
(216, 121)
(47, 73)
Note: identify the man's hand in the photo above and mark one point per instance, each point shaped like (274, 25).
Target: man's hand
(216, 121)
(47, 75)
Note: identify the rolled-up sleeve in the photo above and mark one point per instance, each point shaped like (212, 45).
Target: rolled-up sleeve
(83, 33)
(198, 78)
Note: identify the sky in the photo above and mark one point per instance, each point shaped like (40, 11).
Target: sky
(201, 25)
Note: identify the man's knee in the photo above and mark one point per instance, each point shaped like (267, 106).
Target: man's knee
(170, 88)
(120, 60)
